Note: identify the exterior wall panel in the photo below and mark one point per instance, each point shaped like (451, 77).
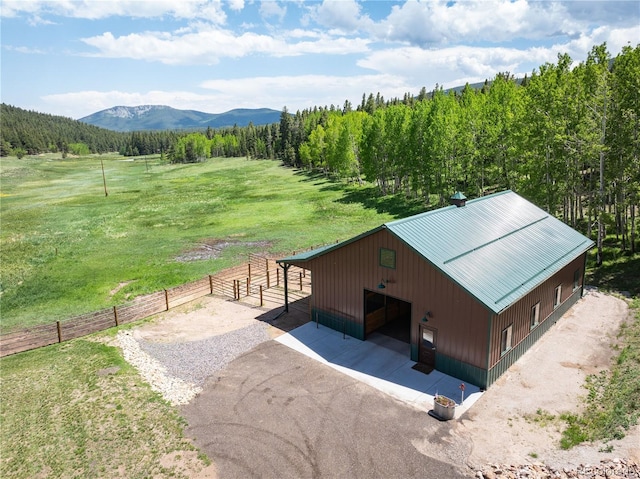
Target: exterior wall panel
(342, 275)
(519, 313)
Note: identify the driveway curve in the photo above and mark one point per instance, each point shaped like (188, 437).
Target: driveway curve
(274, 413)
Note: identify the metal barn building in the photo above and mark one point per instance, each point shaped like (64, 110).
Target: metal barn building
(470, 286)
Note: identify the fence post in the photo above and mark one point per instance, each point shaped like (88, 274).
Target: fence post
(300, 280)
(277, 277)
(261, 301)
(115, 315)
(59, 331)
(268, 285)
(166, 299)
(249, 269)
(211, 284)
(248, 281)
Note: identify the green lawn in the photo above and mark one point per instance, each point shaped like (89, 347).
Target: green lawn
(66, 246)
(78, 410)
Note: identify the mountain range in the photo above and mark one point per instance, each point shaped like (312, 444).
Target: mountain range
(161, 117)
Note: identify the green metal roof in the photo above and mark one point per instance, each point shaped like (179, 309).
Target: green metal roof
(497, 248)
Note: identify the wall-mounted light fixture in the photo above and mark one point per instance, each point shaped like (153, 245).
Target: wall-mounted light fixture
(426, 316)
(382, 283)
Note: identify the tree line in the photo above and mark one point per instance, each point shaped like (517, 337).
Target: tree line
(566, 137)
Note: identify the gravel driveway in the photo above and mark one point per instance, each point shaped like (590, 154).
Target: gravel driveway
(274, 413)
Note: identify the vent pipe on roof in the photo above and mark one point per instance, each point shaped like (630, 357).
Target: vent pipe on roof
(458, 199)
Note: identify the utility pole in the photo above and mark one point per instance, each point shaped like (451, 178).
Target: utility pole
(104, 179)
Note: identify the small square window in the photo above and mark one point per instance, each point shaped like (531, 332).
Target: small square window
(535, 315)
(388, 258)
(576, 279)
(557, 296)
(505, 340)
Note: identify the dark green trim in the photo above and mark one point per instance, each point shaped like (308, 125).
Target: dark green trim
(414, 352)
(339, 323)
(460, 370)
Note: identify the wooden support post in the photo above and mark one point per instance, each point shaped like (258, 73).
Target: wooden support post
(59, 331)
(278, 278)
(261, 300)
(300, 280)
(248, 282)
(268, 283)
(285, 268)
(249, 270)
(211, 284)
(166, 299)
(115, 315)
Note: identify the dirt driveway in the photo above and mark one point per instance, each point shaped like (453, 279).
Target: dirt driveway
(275, 413)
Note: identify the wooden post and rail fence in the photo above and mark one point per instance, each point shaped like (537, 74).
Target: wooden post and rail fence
(260, 278)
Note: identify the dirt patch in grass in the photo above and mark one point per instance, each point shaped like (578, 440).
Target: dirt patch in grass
(212, 248)
(119, 287)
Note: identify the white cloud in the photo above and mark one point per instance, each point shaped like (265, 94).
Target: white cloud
(442, 22)
(271, 8)
(343, 16)
(208, 45)
(304, 91)
(90, 9)
(236, 5)
(452, 66)
(25, 50)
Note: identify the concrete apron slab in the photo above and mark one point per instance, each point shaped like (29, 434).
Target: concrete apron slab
(381, 362)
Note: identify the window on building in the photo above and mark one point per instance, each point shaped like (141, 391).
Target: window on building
(505, 341)
(576, 279)
(558, 296)
(388, 258)
(535, 315)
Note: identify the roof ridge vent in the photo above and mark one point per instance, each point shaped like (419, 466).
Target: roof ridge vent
(458, 199)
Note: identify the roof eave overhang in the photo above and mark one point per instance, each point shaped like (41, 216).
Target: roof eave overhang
(301, 258)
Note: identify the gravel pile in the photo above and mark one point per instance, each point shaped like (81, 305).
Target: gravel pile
(178, 370)
(195, 361)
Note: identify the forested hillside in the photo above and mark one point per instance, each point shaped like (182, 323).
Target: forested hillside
(27, 132)
(566, 138)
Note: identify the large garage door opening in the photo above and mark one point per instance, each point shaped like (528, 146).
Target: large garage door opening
(387, 315)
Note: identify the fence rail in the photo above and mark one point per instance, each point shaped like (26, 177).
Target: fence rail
(260, 279)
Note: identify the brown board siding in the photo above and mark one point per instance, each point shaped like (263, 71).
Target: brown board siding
(340, 276)
(519, 314)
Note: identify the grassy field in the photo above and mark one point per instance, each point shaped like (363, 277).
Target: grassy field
(77, 409)
(66, 246)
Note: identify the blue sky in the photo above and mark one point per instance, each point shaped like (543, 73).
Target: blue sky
(74, 58)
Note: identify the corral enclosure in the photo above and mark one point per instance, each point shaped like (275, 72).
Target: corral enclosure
(69, 249)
